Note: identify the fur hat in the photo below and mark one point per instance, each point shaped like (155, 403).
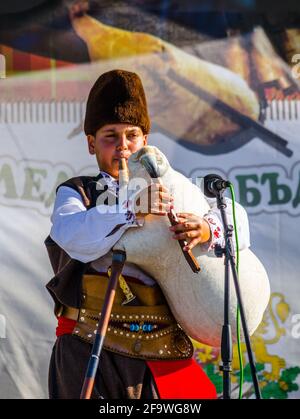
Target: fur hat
(117, 96)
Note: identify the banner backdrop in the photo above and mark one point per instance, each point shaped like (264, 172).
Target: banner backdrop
(228, 106)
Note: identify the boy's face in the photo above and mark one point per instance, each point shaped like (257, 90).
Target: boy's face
(114, 141)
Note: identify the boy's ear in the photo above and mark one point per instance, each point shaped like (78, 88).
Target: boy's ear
(91, 143)
(145, 139)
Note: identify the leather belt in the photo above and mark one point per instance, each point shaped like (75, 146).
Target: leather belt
(70, 312)
(147, 331)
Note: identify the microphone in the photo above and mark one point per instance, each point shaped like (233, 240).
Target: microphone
(213, 184)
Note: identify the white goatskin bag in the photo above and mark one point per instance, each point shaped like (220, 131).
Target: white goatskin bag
(195, 299)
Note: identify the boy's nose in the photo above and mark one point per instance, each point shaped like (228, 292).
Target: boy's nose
(122, 143)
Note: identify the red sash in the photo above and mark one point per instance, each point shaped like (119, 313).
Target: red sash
(183, 379)
(65, 326)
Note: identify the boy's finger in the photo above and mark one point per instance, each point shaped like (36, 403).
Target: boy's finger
(192, 244)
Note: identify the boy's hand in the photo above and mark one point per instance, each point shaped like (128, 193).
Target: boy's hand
(192, 228)
(155, 199)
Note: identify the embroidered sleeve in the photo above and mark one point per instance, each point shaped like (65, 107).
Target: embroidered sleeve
(216, 232)
(87, 235)
(213, 217)
(131, 217)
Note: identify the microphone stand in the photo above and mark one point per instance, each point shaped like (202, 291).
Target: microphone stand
(226, 342)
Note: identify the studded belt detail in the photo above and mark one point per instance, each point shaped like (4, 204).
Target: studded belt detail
(147, 331)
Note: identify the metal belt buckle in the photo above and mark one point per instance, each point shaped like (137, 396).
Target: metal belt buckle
(129, 296)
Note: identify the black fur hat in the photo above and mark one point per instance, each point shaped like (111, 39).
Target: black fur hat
(117, 96)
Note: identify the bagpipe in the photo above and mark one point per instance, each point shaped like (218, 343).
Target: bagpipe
(195, 298)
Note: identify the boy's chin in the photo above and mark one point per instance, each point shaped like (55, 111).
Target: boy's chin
(113, 171)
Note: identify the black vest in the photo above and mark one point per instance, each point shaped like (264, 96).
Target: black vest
(66, 285)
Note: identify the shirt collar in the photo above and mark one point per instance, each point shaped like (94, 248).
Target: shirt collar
(111, 182)
(108, 176)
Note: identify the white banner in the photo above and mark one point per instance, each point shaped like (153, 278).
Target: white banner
(42, 144)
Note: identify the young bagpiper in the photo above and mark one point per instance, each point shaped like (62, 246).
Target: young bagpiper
(80, 242)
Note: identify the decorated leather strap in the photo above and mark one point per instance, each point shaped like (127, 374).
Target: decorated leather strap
(145, 331)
